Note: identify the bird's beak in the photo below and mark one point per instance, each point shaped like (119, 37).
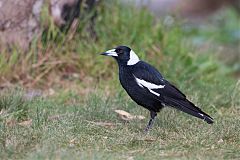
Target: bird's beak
(110, 53)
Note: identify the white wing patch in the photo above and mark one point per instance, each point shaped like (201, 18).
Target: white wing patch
(133, 59)
(142, 83)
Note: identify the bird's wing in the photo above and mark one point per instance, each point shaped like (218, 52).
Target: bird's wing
(152, 81)
(148, 77)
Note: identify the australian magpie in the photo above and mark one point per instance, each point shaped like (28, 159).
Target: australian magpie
(148, 88)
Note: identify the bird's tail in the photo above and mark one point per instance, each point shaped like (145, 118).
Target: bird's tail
(190, 108)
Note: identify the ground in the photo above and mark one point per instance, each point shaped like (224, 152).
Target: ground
(90, 129)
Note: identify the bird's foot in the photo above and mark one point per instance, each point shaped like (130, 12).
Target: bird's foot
(149, 126)
(146, 130)
(151, 121)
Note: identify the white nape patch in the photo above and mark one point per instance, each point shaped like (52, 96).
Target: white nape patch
(133, 58)
(142, 83)
(111, 53)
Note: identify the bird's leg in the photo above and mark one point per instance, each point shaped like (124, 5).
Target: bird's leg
(151, 121)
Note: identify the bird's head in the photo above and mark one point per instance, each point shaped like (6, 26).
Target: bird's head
(123, 54)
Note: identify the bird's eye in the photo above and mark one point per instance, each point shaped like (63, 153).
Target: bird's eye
(119, 51)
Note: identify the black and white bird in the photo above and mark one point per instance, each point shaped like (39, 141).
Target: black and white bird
(148, 88)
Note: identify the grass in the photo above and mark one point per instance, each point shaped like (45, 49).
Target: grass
(80, 89)
(69, 130)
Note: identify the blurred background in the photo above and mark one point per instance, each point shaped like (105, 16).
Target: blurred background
(58, 95)
(53, 42)
(44, 43)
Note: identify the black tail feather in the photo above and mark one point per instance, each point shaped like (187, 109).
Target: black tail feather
(188, 107)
